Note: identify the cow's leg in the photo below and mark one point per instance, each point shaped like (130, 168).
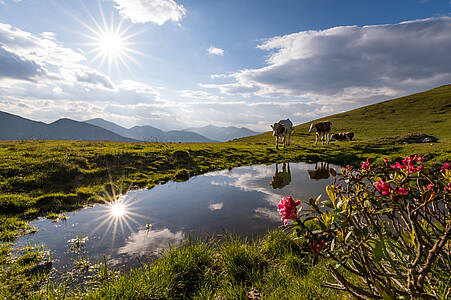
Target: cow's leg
(284, 140)
(316, 139)
(328, 137)
(289, 135)
(277, 142)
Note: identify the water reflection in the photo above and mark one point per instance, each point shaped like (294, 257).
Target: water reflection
(215, 206)
(281, 178)
(151, 242)
(321, 171)
(144, 222)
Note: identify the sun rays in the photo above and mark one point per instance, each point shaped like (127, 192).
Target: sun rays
(110, 42)
(118, 214)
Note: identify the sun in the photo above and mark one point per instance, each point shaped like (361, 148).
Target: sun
(117, 210)
(110, 42)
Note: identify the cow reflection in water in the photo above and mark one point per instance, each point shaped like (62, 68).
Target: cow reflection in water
(281, 178)
(321, 171)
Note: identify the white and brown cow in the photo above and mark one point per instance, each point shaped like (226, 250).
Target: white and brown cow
(322, 129)
(342, 136)
(283, 129)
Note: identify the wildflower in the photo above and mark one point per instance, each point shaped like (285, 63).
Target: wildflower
(316, 246)
(445, 167)
(410, 164)
(448, 188)
(386, 161)
(401, 191)
(366, 165)
(397, 166)
(383, 187)
(287, 208)
(430, 186)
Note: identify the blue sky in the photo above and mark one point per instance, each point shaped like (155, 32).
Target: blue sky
(193, 63)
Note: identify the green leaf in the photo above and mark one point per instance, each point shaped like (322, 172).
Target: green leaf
(332, 196)
(333, 172)
(378, 251)
(347, 236)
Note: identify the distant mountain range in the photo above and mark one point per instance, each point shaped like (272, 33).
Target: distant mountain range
(151, 134)
(223, 134)
(13, 127)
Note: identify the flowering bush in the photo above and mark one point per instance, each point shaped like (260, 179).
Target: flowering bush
(387, 224)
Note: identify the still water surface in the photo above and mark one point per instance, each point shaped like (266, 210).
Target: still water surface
(241, 201)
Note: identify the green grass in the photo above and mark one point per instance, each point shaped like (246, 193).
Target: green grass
(48, 178)
(211, 270)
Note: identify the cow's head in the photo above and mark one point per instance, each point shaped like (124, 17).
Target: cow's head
(312, 128)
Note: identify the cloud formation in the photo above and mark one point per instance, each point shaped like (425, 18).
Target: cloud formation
(14, 66)
(350, 63)
(155, 11)
(215, 51)
(200, 95)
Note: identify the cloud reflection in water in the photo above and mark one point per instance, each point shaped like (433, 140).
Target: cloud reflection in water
(151, 242)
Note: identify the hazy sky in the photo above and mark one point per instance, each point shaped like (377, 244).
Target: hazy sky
(176, 64)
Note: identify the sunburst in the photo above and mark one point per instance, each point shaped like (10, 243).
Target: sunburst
(111, 42)
(118, 213)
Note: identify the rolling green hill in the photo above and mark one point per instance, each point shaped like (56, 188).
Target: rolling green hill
(428, 112)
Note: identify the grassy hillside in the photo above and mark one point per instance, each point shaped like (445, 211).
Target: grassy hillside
(379, 127)
(44, 178)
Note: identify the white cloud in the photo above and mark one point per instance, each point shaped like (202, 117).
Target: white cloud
(138, 87)
(351, 63)
(155, 11)
(215, 51)
(200, 95)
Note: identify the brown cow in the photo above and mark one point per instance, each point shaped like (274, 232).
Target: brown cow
(282, 178)
(322, 129)
(342, 136)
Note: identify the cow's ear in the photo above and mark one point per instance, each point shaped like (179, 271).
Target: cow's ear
(272, 126)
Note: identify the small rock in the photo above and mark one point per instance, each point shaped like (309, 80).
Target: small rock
(41, 268)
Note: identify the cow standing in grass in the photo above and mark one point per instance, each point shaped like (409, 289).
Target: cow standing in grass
(322, 129)
(342, 136)
(283, 129)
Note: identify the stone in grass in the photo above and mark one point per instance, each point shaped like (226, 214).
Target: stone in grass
(39, 269)
(417, 138)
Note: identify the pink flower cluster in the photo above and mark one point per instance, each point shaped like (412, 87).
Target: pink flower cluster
(445, 167)
(366, 164)
(385, 189)
(287, 208)
(447, 188)
(410, 164)
(316, 246)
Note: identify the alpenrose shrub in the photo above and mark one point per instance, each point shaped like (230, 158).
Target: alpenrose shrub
(387, 224)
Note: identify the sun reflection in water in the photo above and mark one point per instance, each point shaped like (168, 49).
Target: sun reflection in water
(117, 209)
(118, 215)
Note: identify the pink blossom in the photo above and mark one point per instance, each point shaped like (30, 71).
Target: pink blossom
(366, 165)
(401, 191)
(430, 186)
(383, 187)
(386, 161)
(397, 166)
(445, 167)
(410, 164)
(316, 246)
(448, 188)
(287, 208)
